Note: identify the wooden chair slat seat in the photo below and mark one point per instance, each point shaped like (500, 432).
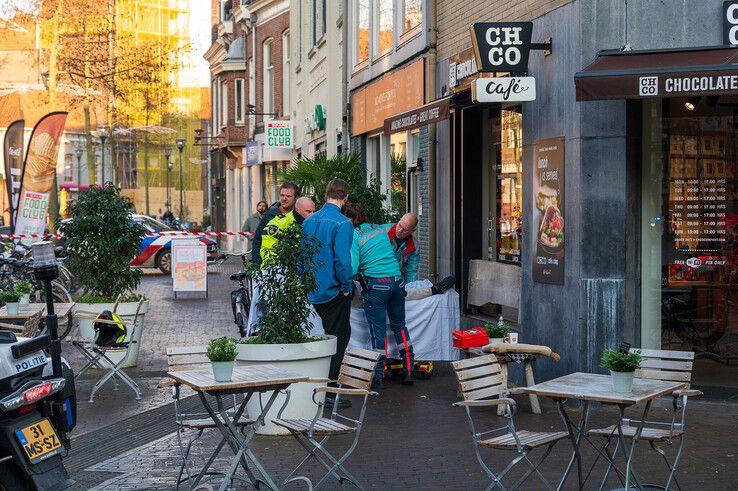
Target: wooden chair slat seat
(324, 426)
(648, 434)
(206, 423)
(528, 439)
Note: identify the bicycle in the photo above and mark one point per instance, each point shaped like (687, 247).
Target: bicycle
(241, 297)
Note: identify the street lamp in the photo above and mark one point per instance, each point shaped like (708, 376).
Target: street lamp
(168, 154)
(79, 165)
(180, 147)
(103, 134)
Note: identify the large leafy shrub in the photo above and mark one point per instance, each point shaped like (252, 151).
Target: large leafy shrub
(286, 277)
(102, 239)
(313, 174)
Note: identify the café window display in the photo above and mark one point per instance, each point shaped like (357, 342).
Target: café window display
(508, 184)
(689, 233)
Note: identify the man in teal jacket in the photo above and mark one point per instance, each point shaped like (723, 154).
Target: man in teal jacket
(372, 255)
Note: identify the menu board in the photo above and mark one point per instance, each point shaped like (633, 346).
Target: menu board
(548, 192)
(189, 266)
(699, 198)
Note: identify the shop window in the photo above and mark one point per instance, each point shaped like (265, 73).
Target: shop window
(509, 187)
(689, 232)
(361, 40)
(411, 12)
(373, 157)
(398, 161)
(383, 31)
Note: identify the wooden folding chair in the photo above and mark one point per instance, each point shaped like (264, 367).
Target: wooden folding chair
(187, 358)
(354, 379)
(657, 365)
(29, 328)
(483, 384)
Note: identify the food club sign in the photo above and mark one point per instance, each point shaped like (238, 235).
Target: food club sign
(278, 134)
(503, 47)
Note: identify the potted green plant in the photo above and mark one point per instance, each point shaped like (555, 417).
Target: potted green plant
(222, 354)
(24, 289)
(284, 325)
(496, 331)
(102, 238)
(11, 299)
(622, 366)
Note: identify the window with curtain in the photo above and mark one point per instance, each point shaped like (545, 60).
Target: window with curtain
(239, 102)
(224, 104)
(286, 72)
(385, 22)
(362, 31)
(268, 78)
(411, 12)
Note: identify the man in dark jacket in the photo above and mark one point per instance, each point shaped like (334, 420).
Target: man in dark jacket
(288, 194)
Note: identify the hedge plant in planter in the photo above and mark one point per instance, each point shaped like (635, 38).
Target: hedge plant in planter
(102, 239)
(286, 277)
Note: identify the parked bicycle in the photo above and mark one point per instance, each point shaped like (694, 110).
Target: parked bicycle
(241, 297)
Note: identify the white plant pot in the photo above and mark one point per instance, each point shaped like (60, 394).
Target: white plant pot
(125, 309)
(223, 370)
(496, 340)
(310, 359)
(25, 299)
(12, 307)
(622, 382)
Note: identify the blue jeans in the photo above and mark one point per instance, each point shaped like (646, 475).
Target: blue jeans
(384, 298)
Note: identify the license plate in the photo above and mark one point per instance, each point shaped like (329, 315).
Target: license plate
(39, 441)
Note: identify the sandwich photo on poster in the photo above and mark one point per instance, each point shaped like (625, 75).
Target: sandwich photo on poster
(549, 216)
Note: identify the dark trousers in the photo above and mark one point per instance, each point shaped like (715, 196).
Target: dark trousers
(336, 317)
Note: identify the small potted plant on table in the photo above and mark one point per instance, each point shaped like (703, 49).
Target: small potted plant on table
(222, 354)
(622, 366)
(11, 299)
(497, 331)
(24, 289)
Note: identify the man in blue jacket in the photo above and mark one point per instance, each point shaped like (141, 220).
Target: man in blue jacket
(332, 297)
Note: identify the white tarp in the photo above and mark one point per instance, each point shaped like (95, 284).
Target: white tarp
(430, 322)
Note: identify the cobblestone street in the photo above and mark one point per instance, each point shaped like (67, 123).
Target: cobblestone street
(413, 437)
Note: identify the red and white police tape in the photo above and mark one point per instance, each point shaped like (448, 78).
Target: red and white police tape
(149, 234)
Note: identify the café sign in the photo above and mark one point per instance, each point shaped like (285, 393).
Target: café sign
(504, 89)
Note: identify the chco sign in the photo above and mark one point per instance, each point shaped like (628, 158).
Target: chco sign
(502, 46)
(278, 134)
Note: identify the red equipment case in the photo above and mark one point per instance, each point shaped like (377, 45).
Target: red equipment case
(471, 338)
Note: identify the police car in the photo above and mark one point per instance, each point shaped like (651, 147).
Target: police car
(156, 251)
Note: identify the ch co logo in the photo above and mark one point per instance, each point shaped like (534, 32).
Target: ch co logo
(648, 86)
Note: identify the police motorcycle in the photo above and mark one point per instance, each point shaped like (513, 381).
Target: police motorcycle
(38, 409)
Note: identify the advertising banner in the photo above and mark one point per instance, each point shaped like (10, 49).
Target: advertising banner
(252, 153)
(548, 223)
(189, 266)
(38, 173)
(13, 158)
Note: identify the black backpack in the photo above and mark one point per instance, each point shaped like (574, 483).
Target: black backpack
(109, 334)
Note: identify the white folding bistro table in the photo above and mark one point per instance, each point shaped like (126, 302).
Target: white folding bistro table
(246, 380)
(588, 387)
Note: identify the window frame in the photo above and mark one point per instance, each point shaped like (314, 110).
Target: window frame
(267, 75)
(286, 45)
(404, 35)
(239, 99)
(224, 103)
(374, 29)
(357, 62)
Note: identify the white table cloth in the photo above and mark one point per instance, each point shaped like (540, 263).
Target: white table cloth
(430, 322)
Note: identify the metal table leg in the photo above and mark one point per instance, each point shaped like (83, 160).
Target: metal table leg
(576, 440)
(628, 455)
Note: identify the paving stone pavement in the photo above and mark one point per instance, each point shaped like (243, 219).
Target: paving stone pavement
(413, 437)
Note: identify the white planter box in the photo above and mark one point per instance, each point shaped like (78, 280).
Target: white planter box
(124, 309)
(622, 382)
(311, 359)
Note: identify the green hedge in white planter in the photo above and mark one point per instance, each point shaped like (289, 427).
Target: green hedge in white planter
(222, 354)
(622, 366)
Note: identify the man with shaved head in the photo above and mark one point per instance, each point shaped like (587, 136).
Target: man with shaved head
(304, 207)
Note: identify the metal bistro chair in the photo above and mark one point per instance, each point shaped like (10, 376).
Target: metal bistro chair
(483, 384)
(354, 379)
(187, 358)
(98, 357)
(656, 365)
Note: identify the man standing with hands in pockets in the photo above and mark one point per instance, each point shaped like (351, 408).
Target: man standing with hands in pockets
(332, 297)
